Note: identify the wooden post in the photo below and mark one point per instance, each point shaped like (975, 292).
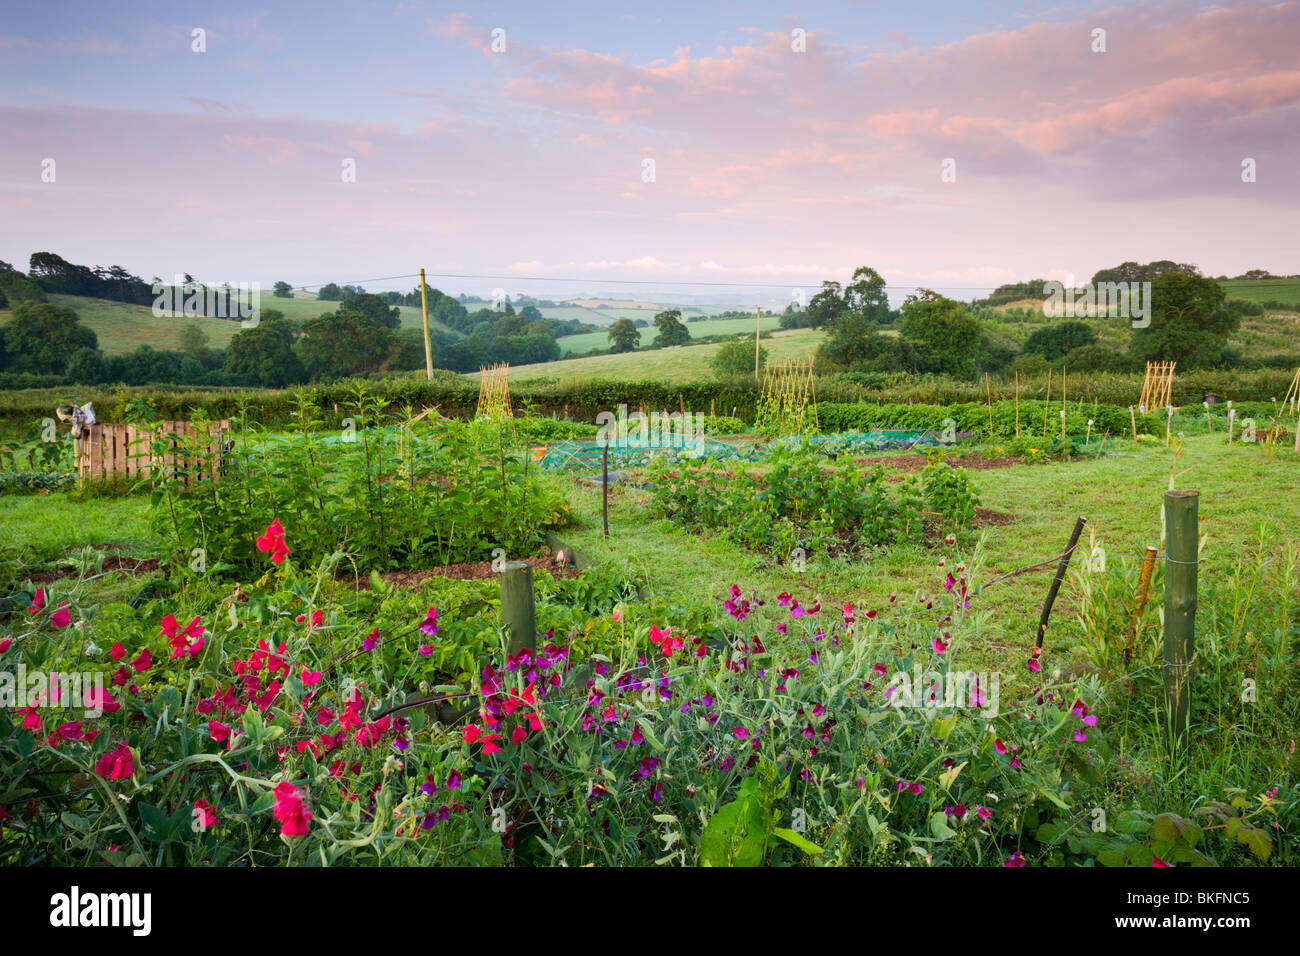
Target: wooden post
(758, 319)
(518, 612)
(989, 394)
(1049, 401)
(1056, 581)
(1232, 416)
(1182, 529)
(1133, 419)
(424, 306)
(604, 486)
(1208, 424)
(1017, 405)
(1169, 420)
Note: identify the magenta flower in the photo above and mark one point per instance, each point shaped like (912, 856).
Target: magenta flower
(430, 623)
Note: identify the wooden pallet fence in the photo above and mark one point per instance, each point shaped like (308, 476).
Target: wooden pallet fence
(133, 452)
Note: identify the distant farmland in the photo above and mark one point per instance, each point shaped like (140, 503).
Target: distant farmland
(122, 327)
(577, 344)
(688, 363)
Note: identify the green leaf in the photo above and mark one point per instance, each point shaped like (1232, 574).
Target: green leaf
(789, 836)
(737, 834)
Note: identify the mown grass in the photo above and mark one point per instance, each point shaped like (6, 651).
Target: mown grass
(1120, 495)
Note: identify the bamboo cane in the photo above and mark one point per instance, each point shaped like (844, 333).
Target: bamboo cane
(1183, 531)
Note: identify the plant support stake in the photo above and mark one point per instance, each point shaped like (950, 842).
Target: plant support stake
(518, 613)
(1056, 581)
(1182, 526)
(604, 486)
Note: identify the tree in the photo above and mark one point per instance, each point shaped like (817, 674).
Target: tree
(941, 334)
(40, 338)
(18, 288)
(193, 339)
(856, 342)
(86, 366)
(671, 329)
(339, 344)
(624, 336)
(866, 296)
(1054, 341)
(374, 307)
(532, 313)
(1190, 323)
(737, 358)
(825, 307)
(283, 290)
(264, 356)
(329, 292)
(1136, 272)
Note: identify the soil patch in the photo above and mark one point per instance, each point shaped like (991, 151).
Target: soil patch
(112, 562)
(465, 571)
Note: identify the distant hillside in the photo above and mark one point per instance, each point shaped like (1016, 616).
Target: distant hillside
(122, 328)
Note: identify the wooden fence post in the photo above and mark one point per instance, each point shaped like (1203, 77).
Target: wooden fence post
(1056, 581)
(518, 612)
(604, 485)
(1182, 528)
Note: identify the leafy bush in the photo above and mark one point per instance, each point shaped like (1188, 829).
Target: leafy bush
(416, 497)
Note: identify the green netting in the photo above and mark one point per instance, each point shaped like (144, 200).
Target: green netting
(576, 454)
(856, 442)
(587, 454)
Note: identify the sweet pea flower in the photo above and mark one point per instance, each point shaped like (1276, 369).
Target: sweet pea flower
(62, 617)
(273, 542)
(117, 764)
(291, 810)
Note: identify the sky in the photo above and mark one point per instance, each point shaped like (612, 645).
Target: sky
(952, 145)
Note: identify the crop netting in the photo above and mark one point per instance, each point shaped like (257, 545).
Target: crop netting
(587, 454)
(576, 454)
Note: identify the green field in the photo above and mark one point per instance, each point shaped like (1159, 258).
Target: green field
(122, 327)
(577, 344)
(1264, 290)
(681, 364)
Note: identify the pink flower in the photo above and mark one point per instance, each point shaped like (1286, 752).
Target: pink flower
(1080, 736)
(664, 640)
(999, 746)
(740, 733)
(984, 812)
(430, 623)
(218, 731)
(143, 662)
(426, 650)
(371, 640)
(179, 637)
(205, 813)
(273, 541)
(1156, 861)
(618, 614)
(117, 764)
(118, 652)
(38, 602)
(62, 617)
(1016, 859)
(291, 811)
(310, 678)
(5, 644)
